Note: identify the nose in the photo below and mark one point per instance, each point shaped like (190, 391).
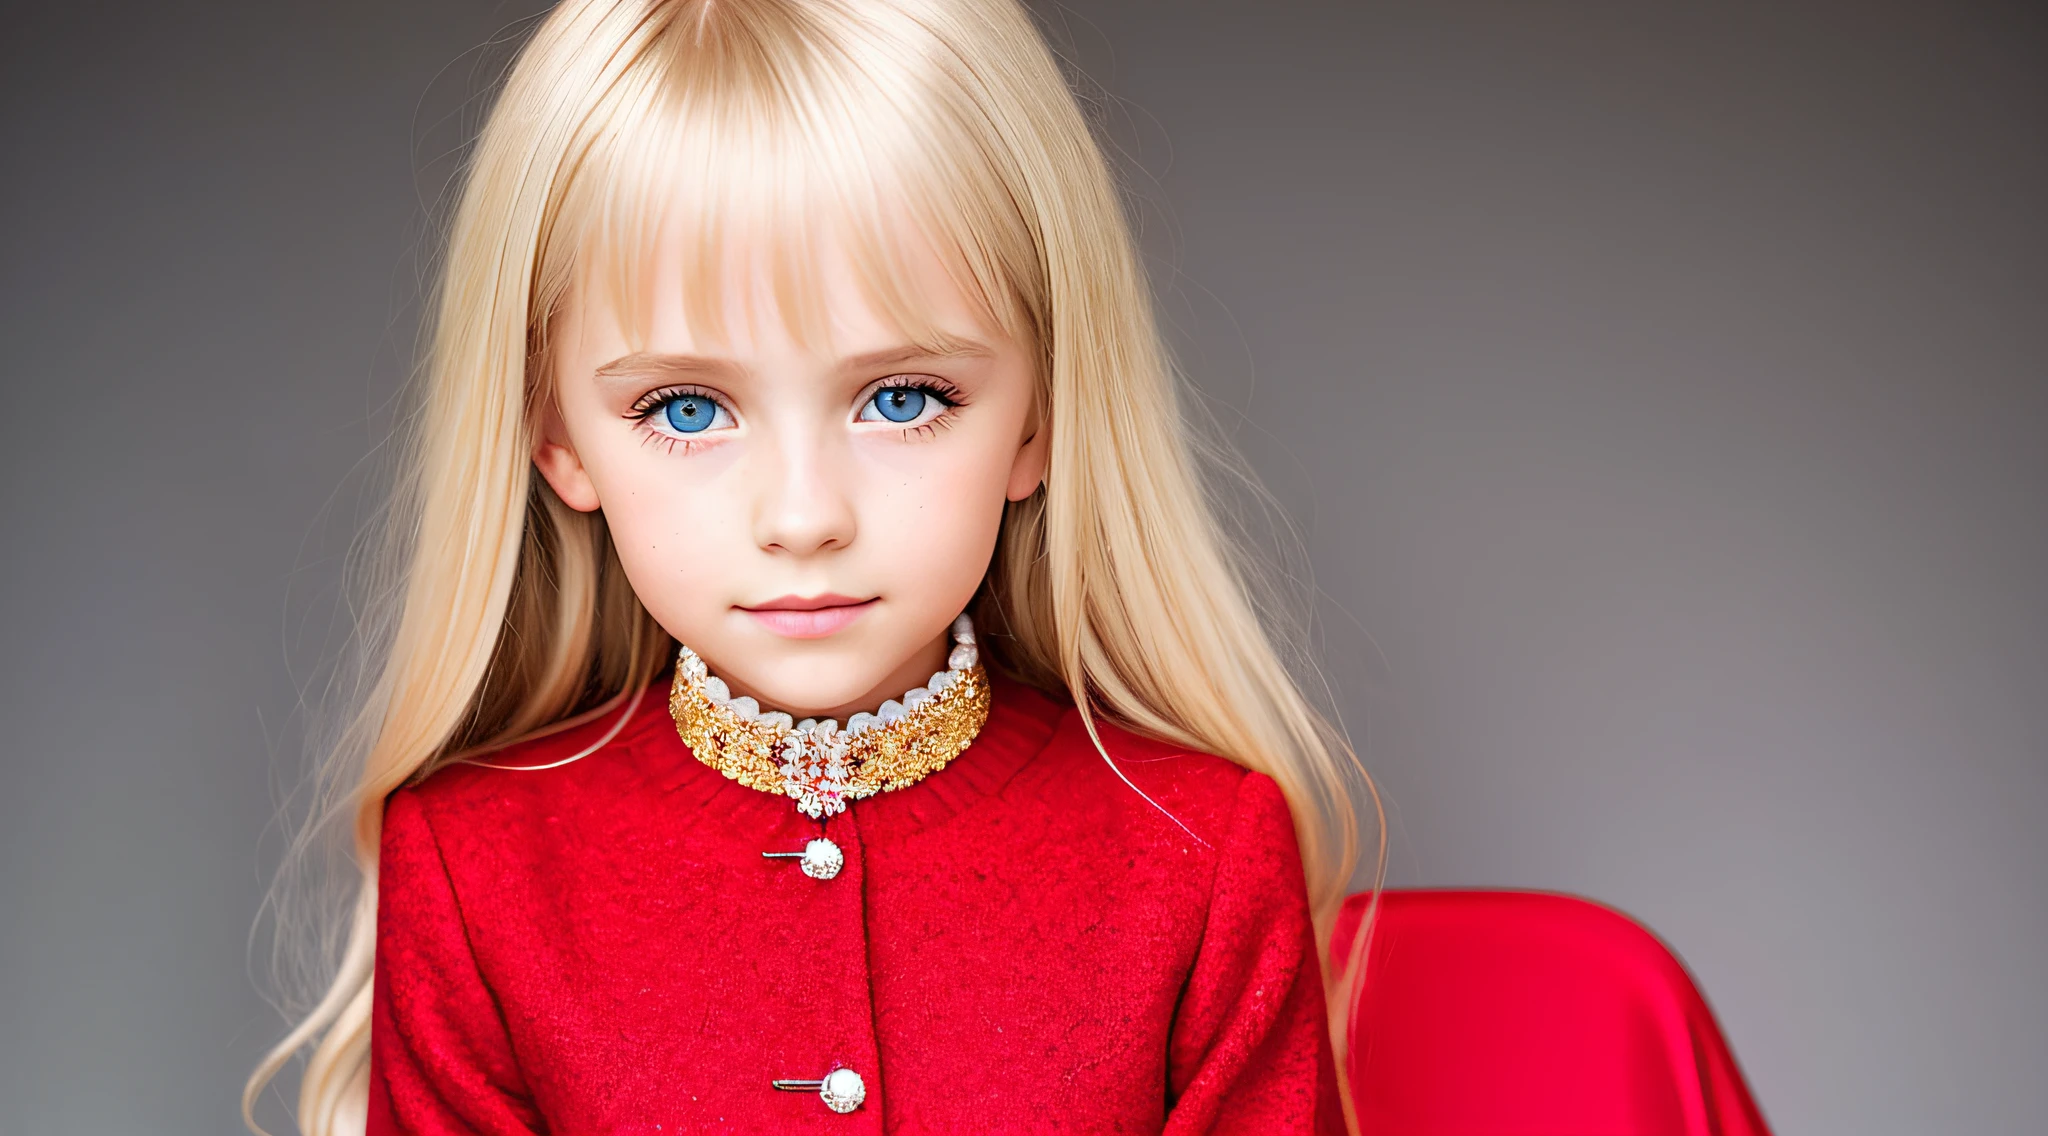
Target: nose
(803, 501)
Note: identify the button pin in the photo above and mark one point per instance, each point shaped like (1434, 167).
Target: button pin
(821, 859)
(842, 1090)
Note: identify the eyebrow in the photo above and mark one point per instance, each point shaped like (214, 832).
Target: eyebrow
(947, 347)
(642, 363)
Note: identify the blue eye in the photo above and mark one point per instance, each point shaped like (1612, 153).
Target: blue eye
(690, 413)
(898, 404)
(680, 413)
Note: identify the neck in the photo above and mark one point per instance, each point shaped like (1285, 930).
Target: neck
(824, 765)
(914, 671)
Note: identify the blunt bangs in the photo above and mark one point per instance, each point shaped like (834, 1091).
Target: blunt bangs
(755, 149)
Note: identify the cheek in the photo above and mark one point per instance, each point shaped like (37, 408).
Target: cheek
(937, 522)
(676, 529)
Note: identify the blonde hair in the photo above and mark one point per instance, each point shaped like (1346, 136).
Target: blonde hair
(508, 612)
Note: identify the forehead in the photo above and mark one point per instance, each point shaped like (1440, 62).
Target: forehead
(821, 289)
(773, 250)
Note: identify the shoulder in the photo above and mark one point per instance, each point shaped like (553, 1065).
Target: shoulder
(1208, 797)
(588, 763)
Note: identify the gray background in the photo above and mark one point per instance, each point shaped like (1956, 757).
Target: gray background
(1662, 396)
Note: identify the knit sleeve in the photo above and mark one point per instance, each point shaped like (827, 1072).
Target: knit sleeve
(440, 1059)
(1250, 1050)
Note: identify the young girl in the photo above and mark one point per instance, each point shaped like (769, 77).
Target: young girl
(818, 698)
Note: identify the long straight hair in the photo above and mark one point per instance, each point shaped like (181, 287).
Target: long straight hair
(495, 612)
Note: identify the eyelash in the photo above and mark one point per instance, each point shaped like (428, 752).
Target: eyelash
(649, 404)
(949, 397)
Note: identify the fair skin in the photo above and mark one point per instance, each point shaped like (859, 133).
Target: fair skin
(809, 520)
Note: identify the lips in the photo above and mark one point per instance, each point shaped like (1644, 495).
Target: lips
(808, 617)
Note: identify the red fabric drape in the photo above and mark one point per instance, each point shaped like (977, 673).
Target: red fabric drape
(1496, 1013)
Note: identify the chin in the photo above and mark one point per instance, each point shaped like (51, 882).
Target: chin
(809, 680)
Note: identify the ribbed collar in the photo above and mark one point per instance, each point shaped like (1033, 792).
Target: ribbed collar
(1021, 721)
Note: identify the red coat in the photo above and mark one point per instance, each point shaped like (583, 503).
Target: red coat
(1017, 943)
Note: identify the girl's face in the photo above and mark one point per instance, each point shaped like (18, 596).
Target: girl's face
(809, 519)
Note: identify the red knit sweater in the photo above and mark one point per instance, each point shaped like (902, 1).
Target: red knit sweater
(1016, 943)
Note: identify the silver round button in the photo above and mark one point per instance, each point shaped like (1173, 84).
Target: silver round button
(843, 1090)
(821, 861)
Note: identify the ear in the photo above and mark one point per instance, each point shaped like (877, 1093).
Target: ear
(1027, 472)
(555, 457)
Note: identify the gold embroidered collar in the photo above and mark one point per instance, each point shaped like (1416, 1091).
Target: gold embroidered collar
(819, 764)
